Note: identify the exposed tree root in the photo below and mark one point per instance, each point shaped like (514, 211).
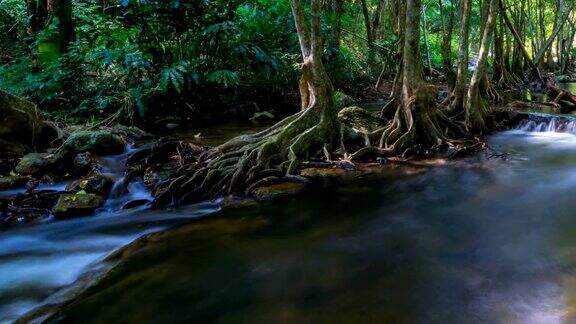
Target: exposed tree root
(238, 164)
(417, 121)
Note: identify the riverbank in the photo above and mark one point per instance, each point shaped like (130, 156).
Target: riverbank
(466, 240)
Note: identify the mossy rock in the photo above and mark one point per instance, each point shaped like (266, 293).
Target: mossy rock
(278, 190)
(95, 183)
(11, 182)
(35, 164)
(100, 142)
(79, 204)
(20, 120)
(359, 119)
(342, 100)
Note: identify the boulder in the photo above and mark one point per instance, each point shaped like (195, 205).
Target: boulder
(79, 204)
(11, 182)
(83, 162)
(95, 183)
(20, 121)
(359, 119)
(102, 142)
(342, 100)
(35, 163)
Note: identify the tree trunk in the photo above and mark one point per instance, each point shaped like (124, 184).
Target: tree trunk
(377, 20)
(561, 20)
(476, 110)
(458, 93)
(425, 30)
(366, 14)
(417, 119)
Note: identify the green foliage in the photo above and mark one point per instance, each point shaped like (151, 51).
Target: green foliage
(173, 76)
(12, 26)
(135, 52)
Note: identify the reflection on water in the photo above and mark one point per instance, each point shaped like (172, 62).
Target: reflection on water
(489, 242)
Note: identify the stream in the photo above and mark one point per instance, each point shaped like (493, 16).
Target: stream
(481, 240)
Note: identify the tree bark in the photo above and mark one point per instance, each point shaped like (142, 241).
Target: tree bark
(475, 108)
(366, 14)
(417, 118)
(425, 30)
(458, 93)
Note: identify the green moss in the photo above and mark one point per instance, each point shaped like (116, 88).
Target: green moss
(79, 204)
(100, 142)
(277, 190)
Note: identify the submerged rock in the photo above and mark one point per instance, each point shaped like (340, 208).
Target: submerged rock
(79, 204)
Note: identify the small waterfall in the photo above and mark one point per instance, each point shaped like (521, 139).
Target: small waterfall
(126, 188)
(540, 123)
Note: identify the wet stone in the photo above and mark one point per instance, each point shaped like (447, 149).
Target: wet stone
(99, 142)
(35, 163)
(95, 183)
(79, 204)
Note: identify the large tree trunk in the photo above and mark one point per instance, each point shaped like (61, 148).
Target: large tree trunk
(476, 110)
(458, 93)
(417, 118)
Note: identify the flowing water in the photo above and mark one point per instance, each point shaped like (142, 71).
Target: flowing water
(482, 240)
(40, 260)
